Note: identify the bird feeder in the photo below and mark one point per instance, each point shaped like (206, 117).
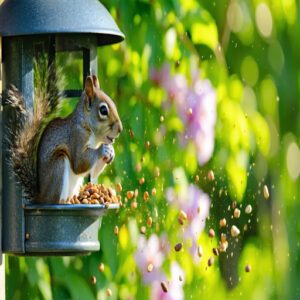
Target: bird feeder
(54, 27)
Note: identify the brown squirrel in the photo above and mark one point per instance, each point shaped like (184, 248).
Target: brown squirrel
(51, 160)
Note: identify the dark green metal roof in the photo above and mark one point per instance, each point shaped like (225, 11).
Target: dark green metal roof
(31, 17)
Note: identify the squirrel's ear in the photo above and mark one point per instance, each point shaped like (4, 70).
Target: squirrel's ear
(96, 82)
(89, 87)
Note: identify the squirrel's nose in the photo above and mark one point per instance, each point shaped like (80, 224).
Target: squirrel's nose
(118, 127)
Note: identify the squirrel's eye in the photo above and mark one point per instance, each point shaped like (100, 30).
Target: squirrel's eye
(103, 110)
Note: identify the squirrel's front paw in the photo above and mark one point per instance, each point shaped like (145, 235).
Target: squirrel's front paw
(107, 153)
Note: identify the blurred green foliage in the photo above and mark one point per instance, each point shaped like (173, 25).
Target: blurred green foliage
(249, 50)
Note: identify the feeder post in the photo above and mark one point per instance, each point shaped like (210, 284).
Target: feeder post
(2, 266)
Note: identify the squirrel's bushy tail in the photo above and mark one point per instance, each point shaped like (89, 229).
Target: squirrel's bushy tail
(30, 125)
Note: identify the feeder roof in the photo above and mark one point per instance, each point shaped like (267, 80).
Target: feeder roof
(31, 17)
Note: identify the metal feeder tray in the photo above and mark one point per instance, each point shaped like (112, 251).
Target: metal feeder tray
(63, 229)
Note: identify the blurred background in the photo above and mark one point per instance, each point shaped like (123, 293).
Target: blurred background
(208, 92)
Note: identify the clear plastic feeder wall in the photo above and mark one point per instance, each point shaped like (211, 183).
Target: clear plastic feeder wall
(28, 28)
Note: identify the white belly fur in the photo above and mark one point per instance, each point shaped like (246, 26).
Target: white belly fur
(71, 182)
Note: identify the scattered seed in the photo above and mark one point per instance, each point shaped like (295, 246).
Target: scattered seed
(211, 175)
(142, 181)
(119, 187)
(266, 192)
(138, 167)
(101, 267)
(210, 261)
(223, 246)
(197, 178)
(143, 230)
(190, 111)
(248, 209)
(164, 286)
(150, 268)
(223, 222)
(211, 233)
(133, 204)
(180, 221)
(247, 268)
(146, 196)
(153, 192)
(161, 118)
(234, 231)
(149, 222)
(147, 144)
(27, 236)
(234, 204)
(116, 230)
(131, 134)
(223, 237)
(180, 278)
(156, 172)
(130, 194)
(108, 292)
(178, 247)
(93, 280)
(236, 213)
(216, 251)
(200, 251)
(182, 215)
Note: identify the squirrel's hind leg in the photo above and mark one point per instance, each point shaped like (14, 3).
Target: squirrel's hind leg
(53, 182)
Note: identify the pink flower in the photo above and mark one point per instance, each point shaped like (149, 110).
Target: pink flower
(196, 205)
(175, 286)
(149, 252)
(196, 106)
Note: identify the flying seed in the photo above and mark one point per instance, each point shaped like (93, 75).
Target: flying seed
(108, 292)
(200, 251)
(161, 118)
(116, 230)
(149, 222)
(147, 144)
(248, 209)
(236, 213)
(223, 222)
(153, 192)
(182, 215)
(119, 187)
(143, 230)
(93, 280)
(216, 251)
(164, 287)
(133, 204)
(190, 111)
(247, 268)
(266, 192)
(210, 175)
(211, 233)
(130, 194)
(234, 231)
(142, 181)
(101, 267)
(150, 268)
(210, 261)
(178, 247)
(146, 196)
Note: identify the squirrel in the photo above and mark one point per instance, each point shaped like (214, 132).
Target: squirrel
(51, 160)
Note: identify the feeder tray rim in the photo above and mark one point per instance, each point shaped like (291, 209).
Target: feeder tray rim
(70, 207)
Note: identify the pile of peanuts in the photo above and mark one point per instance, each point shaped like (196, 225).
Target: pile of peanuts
(95, 194)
